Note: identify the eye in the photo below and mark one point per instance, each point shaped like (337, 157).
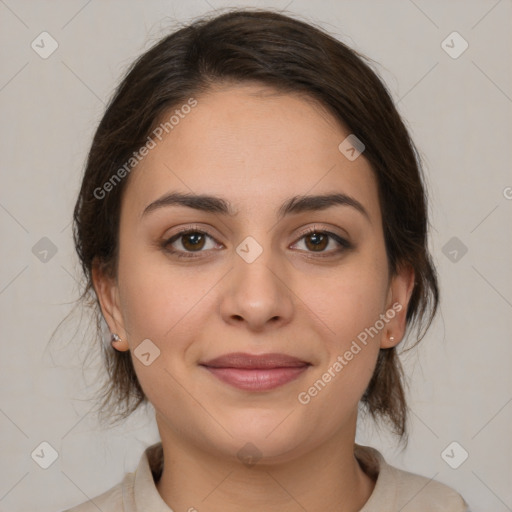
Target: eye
(317, 241)
(189, 241)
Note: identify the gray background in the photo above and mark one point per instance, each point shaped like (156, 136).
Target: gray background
(458, 110)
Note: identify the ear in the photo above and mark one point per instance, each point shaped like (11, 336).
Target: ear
(400, 291)
(107, 292)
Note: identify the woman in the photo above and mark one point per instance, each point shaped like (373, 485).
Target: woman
(253, 223)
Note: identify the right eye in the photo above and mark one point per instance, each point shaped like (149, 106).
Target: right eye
(190, 240)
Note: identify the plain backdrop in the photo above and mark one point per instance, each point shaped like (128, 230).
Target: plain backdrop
(458, 107)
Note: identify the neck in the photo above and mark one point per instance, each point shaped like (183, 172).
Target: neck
(329, 479)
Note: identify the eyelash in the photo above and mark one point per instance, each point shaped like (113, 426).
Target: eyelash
(344, 244)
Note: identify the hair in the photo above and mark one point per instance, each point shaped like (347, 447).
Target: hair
(289, 56)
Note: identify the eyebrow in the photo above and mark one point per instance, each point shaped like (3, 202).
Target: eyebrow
(293, 205)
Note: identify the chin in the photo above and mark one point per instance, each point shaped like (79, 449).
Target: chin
(268, 439)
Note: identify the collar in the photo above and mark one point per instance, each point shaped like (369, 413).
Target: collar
(140, 492)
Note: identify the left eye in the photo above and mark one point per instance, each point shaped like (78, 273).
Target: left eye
(318, 241)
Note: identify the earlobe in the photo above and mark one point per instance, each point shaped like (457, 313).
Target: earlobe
(400, 291)
(107, 293)
(118, 344)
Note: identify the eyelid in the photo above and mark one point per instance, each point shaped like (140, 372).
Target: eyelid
(322, 229)
(201, 229)
(190, 229)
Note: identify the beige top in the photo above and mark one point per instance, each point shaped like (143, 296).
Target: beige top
(394, 491)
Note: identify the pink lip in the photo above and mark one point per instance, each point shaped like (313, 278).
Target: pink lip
(256, 372)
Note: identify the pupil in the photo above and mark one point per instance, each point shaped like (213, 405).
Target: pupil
(193, 239)
(317, 240)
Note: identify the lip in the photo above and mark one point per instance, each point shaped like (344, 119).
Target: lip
(252, 372)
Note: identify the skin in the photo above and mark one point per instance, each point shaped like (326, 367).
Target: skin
(255, 148)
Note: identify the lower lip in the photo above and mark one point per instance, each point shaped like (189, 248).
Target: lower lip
(257, 379)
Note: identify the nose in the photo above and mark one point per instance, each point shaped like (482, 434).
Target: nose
(257, 294)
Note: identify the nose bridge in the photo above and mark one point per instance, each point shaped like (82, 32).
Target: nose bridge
(257, 293)
(253, 272)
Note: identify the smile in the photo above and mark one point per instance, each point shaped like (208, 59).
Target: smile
(256, 372)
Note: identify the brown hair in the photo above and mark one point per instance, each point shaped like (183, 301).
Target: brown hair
(290, 56)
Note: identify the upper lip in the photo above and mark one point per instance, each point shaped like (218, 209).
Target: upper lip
(254, 361)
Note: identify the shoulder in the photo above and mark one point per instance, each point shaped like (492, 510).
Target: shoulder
(407, 492)
(110, 501)
(417, 492)
(137, 490)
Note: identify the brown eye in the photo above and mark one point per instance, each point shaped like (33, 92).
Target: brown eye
(317, 241)
(324, 243)
(187, 242)
(193, 241)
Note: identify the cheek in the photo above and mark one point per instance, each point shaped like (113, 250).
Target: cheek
(351, 299)
(147, 302)
(156, 307)
(152, 298)
(162, 302)
(357, 295)
(351, 351)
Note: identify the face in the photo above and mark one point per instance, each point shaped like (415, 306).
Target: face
(257, 273)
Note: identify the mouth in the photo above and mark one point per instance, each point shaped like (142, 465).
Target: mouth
(252, 372)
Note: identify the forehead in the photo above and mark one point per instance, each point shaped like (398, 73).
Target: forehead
(254, 146)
